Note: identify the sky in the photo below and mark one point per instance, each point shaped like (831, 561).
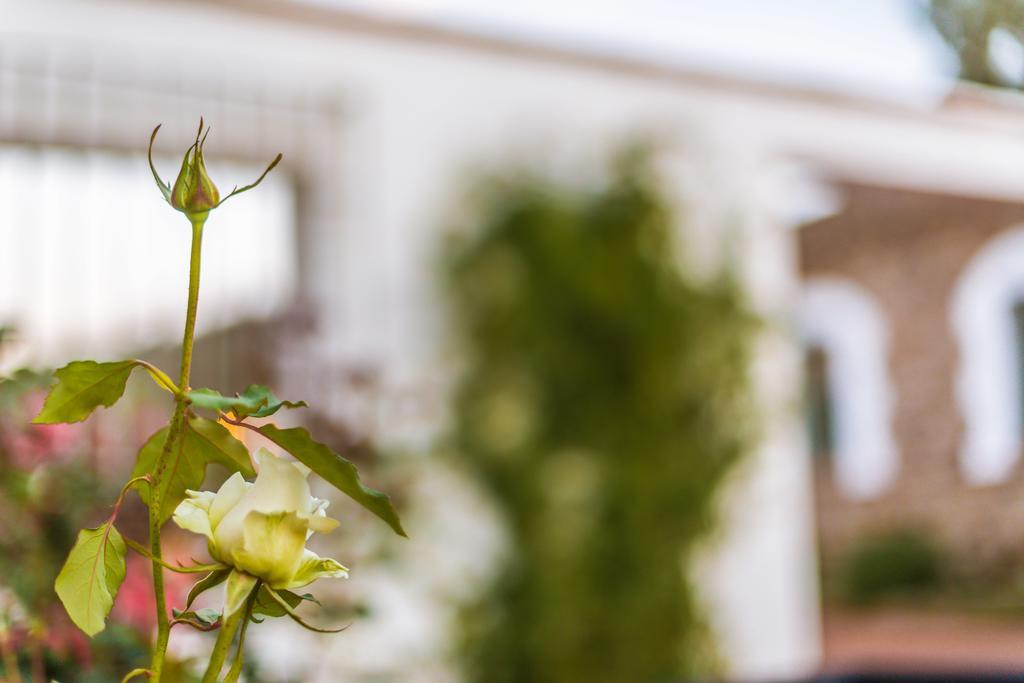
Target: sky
(883, 48)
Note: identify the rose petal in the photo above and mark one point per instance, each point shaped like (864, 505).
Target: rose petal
(272, 547)
(313, 567)
(230, 492)
(192, 514)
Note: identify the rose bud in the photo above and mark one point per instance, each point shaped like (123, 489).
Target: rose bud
(194, 193)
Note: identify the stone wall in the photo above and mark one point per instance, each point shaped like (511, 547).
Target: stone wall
(907, 249)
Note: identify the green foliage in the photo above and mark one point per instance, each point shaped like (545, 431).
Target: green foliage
(92, 576)
(82, 386)
(115, 650)
(968, 27)
(204, 442)
(335, 470)
(256, 401)
(267, 606)
(214, 578)
(47, 487)
(603, 399)
(204, 617)
(85, 385)
(13, 388)
(213, 443)
(891, 564)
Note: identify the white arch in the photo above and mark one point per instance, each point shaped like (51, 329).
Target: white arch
(844, 320)
(987, 380)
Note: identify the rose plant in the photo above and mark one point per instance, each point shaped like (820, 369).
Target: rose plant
(256, 532)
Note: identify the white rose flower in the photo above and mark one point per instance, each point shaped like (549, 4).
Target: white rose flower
(260, 529)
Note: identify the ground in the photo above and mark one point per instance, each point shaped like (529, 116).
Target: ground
(894, 638)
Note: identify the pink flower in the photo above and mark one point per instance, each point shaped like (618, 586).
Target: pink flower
(32, 445)
(135, 604)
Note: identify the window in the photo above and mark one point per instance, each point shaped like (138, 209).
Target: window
(987, 318)
(97, 259)
(849, 395)
(818, 403)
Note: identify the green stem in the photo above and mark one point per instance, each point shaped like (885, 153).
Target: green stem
(223, 645)
(174, 434)
(193, 301)
(236, 666)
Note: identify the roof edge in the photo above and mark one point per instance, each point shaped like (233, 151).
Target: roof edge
(405, 30)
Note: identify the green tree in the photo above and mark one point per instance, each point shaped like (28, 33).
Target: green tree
(969, 26)
(603, 399)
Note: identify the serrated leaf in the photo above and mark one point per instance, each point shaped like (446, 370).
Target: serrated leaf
(184, 471)
(214, 578)
(263, 397)
(204, 441)
(82, 386)
(267, 606)
(256, 401)
(85, 385)
(91, 577)
(211, 399)
(205, 615)
(335, 469)
(215, 443)
(290, 611)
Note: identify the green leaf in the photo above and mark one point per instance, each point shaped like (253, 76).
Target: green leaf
(85, 385)
(211, 399)
(289, 610)
(214, 578)
(267, 606)
(256, 401)
(206, 615)
(91, 577)
(338, 471)
(204, 441)
(184, 471)
(82, 386)
(215, 443)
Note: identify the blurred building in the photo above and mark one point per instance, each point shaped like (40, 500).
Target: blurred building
(913, 319)
(911, 322)
(892, 284)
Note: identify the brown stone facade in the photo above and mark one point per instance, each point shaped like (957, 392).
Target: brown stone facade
(908, 249)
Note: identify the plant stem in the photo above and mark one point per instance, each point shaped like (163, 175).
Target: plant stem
(236, 666)
(223, 645)
(174, 434)
(193, 302)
